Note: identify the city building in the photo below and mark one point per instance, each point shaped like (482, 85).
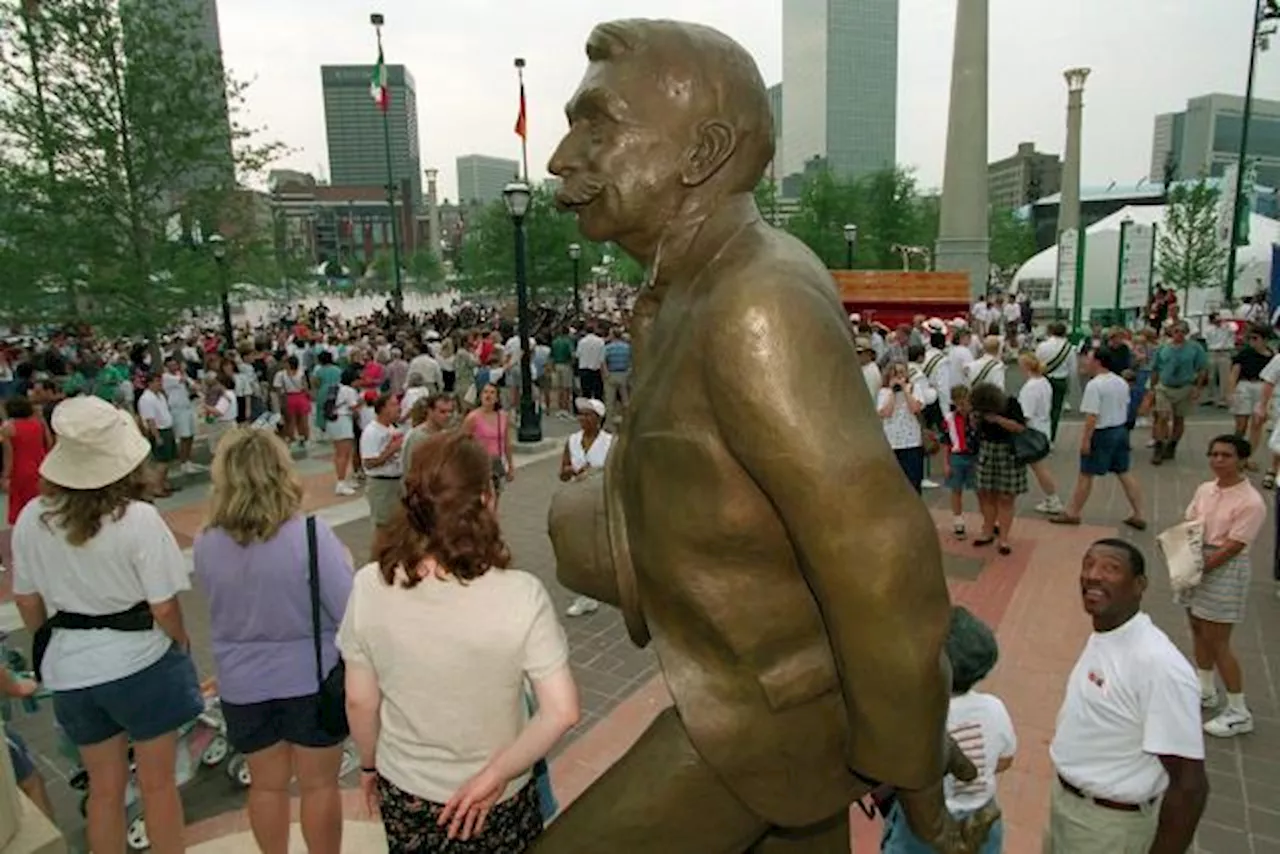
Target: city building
(775, 107)
(354, 130)
(350, 225)
(840, 69)
(1204, 139)
(1023, 178)
(481, 178)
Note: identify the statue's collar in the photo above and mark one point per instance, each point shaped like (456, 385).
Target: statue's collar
(694, 241)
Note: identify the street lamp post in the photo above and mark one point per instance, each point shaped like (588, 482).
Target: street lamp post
(219, 248)
(377, 20)
(517, 196)
(1264, 12)
(850, 243)
(575, 255)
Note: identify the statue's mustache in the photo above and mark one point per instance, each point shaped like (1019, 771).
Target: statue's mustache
(579, 190)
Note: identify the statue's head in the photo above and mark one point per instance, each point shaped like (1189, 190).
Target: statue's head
(667, 114)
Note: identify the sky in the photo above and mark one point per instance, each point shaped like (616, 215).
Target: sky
(1147, 57)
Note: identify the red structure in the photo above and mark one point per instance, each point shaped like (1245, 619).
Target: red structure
(892, 297)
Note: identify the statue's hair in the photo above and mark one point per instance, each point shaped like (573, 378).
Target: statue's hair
(735, 90)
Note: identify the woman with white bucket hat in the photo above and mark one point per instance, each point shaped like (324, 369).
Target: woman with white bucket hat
(100, 560)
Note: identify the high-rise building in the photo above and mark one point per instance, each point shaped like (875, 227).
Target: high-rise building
(481, 178)
(1204, 139)
(775, 107)
(354, 131)
(1024, 178)
(840, 69)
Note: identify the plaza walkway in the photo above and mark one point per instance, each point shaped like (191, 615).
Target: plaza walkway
(1031, 597)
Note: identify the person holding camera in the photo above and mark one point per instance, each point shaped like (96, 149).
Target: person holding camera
(899, 404)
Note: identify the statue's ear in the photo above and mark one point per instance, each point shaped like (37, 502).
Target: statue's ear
(715, 143)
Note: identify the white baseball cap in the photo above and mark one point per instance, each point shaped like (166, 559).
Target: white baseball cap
(590, 404)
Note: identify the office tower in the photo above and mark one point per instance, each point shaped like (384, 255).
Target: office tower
(481, 178)
(840, 69)
(775, 107)
(1022, 179)
(354, 130)
(1204, 139)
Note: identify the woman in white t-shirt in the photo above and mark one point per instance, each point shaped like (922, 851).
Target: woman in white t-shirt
(980, 726)
(342, 432)
(221, 410)
(439, 610)
(899, 405)
(585, 455)
(1036, 399)
(96, 578)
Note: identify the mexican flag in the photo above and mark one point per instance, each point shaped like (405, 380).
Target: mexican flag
(378, 87)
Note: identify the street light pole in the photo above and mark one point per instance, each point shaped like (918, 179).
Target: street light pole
(377, 20)
(517, 196)
(1263, 12)
(220, 257)
(850, 242)
(575, 255)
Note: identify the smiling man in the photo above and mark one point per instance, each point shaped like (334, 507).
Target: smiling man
(1128, 750)
(752, 522)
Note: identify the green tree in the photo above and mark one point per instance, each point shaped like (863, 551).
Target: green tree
(1013, 241)
(488, 250)
(1188, 253)
(115, 145)
(425, 269)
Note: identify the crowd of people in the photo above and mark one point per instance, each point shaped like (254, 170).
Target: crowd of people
(417, 413)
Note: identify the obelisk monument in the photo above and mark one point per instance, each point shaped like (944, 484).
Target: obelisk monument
(963, 243)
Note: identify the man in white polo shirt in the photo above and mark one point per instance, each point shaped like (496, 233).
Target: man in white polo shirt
(1128, 750)
(1104, 441)
(1058, 356)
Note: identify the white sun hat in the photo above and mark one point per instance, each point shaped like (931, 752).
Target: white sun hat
(589, 404)
(98, 444)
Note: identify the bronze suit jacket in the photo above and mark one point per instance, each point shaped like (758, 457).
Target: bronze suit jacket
(761, 534)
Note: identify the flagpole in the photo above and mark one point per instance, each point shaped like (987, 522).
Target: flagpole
(524, 137)
(398, 300)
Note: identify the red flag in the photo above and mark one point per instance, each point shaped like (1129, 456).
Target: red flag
(521, 129)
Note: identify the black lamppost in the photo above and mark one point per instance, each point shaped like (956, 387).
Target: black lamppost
(1265, 13)
(398, 297)
(517, 196)
(575, 255)
(219, 249)
(850, 242)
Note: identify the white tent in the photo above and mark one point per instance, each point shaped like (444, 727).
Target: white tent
(1102, 256)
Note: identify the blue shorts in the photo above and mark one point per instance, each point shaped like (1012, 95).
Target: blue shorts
(148, 704)
(256, 726)
(964, 473)
(1108, 452)
(20, 757)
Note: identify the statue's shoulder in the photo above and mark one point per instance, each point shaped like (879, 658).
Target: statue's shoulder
(767, 270)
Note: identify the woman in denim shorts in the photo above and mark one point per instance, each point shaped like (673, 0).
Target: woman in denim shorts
(103, 562)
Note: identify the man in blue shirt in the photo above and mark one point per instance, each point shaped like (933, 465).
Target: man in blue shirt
(1179, 370)
(617, 374)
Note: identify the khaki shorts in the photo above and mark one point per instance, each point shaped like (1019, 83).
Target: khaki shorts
(1173, 401)
(1247, 397)
(562, 377)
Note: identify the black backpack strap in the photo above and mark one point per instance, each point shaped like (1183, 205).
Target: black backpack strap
(313, 581)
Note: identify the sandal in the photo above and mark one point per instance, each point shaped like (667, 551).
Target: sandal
(1064, 519)
(1005, 549)
(1136, 523)
(984, 540)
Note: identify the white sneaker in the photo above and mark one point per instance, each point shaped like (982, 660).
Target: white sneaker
(929, 484)
(190, 468)
(581, 606)
(1229, 723)
(1052, 506)
(1209, 701)
(958, 529)
(343, 488)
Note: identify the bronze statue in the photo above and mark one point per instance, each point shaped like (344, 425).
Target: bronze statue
(752, 521)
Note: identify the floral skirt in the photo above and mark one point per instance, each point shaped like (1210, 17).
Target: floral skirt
(410, 823)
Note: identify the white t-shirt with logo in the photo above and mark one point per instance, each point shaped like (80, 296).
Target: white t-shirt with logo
(1131, 698)
(1107, 397)
(981, 726)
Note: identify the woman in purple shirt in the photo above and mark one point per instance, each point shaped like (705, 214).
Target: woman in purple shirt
(252, 562)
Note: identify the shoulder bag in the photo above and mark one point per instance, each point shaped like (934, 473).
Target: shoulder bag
(331, 696)
(1030, 446)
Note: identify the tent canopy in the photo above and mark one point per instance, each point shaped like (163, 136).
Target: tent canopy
(1102, 258)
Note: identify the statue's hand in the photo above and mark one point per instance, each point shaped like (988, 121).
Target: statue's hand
(968, 835)
(958, 765)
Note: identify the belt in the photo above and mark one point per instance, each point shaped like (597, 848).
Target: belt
(1118, 806)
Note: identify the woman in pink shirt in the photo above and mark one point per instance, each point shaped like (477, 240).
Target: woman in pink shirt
(1233, 512)
(492, 429)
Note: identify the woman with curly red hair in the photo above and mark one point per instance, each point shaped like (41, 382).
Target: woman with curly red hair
(439, 639)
